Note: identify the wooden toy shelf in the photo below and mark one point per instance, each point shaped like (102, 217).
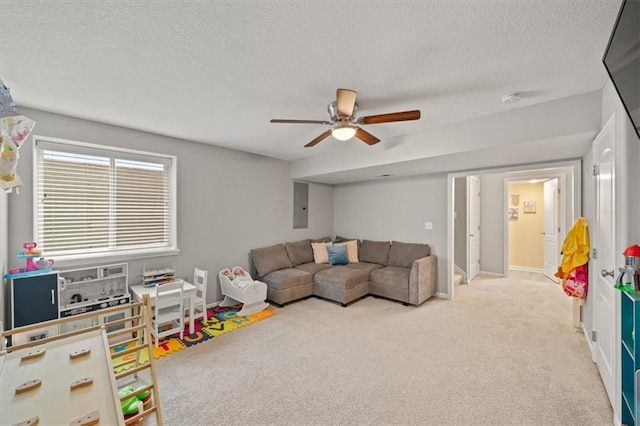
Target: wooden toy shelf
(73, 378)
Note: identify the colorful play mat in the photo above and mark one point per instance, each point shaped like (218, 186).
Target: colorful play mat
(221, 321)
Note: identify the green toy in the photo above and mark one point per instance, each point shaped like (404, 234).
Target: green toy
(135, 404)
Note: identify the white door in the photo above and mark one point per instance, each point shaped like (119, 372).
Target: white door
(551, 229)
(604, 263)
(473, 206)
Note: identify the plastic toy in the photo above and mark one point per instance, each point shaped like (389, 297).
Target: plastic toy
(43, 263)
(137, 402)
(29, 253)
(13, 131)
(631, 270)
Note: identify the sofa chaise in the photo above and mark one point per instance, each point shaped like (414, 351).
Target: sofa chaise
(405, 272)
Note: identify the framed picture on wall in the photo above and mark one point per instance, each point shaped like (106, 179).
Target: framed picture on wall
(513, 213)
(529, 207)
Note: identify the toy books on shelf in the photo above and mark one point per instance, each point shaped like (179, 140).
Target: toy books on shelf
(152, 277)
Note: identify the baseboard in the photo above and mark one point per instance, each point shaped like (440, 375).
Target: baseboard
(442, 295)
(525, 269)
(493, 274)
(589, 343)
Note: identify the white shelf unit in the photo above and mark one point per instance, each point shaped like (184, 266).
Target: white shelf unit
(151, 277)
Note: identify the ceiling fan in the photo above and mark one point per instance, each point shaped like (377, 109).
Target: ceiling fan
(345, 125)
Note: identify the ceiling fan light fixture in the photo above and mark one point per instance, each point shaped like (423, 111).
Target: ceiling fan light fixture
(343, 133)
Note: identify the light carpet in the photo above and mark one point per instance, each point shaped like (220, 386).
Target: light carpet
(502, 353)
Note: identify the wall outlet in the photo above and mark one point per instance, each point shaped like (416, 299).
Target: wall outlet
(428, 226)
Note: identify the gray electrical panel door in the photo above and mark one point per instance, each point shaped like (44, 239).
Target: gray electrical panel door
(300, 205)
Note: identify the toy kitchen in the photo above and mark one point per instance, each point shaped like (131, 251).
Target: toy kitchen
(91, 289)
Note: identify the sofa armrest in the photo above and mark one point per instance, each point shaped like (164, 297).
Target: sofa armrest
(423, 279)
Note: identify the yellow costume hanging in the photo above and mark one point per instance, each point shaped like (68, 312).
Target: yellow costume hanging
(575, 255)
(575, 250)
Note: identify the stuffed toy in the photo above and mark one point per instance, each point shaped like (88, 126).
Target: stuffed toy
(13, 131)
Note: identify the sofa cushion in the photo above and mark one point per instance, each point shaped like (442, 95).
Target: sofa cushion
(283, 279)
(374, 252)
(337, 255)
(320, 253)
(394, 276)
(352, 249)
(299, 252)
(313, 268)
(269, 259)
(363, 266)
(340, 277)
(404, 254)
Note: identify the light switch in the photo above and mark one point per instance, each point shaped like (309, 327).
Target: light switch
(428, 226)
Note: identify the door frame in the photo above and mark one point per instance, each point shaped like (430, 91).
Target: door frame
(564, 202)
(468, 226)
(574, 208)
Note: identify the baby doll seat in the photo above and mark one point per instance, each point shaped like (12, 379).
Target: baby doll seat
(250, 293)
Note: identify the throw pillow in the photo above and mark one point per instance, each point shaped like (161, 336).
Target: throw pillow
(352, 250)
(338, 255)
(320, 254)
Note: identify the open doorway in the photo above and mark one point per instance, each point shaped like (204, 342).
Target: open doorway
(535, 224)
(494, 215)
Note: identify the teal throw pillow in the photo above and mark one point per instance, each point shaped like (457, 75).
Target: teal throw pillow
(338, 255)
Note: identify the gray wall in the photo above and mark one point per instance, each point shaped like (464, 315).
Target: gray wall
(228, 201)
(396, 209)
(492, 214)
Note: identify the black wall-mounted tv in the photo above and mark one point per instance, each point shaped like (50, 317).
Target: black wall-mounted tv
(622, 59)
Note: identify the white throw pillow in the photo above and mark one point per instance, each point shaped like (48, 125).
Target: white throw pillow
(352, 250)
(320, 253)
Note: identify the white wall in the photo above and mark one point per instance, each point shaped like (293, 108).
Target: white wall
(228, 201)
(396, 209)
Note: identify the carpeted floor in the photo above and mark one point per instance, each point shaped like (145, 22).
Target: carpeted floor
(502, 353)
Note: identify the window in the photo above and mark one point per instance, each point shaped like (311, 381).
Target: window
(98, 201)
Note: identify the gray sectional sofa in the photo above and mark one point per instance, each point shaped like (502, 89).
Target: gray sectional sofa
(405, 272)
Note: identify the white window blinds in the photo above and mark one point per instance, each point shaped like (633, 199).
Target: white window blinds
(99, 200)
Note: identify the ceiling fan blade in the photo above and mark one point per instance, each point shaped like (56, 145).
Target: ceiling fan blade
(345, 102)
(318, 139)
(278, 120)
(387, 118)
(366, 137)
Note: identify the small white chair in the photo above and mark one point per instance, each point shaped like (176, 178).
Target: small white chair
(168, 310)
(200, 277)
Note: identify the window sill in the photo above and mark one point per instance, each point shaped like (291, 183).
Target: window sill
(104, 258)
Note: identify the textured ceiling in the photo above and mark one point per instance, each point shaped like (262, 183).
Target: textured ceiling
(216, 72)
